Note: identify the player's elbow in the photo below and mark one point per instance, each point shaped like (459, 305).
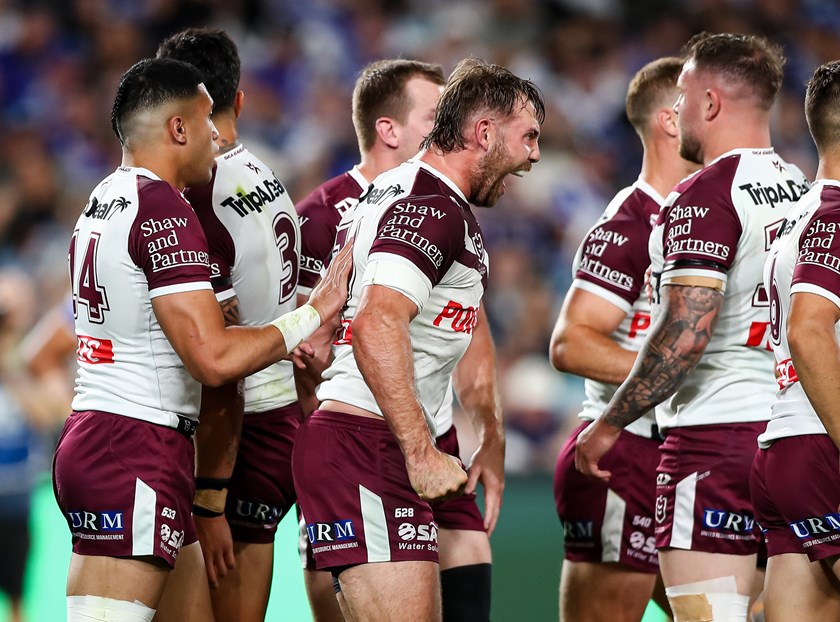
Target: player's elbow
(804, 336)
(560, 351)
(210, 371)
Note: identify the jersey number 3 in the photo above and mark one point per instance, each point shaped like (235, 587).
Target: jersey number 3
(86, 287)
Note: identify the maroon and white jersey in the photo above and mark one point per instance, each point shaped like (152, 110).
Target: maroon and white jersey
(804, 258)
(254, 238)
(414, 232)
(719, 223)
(611, 263)
(137, 239)
(320, 213)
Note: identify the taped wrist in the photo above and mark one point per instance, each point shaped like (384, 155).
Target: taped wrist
(297, 325)
(210, 496)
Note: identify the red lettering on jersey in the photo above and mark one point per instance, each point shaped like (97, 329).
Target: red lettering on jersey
(786, 374)
(94, 351)
(639, 324)
(759, 336)
(345, 334)
(463, 318)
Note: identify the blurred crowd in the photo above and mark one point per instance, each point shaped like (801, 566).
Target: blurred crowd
(60, 61)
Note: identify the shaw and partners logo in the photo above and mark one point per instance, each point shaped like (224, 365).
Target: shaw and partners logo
(339, 531)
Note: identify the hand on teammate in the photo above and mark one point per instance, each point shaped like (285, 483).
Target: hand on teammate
(330, 294)
(488, 467)
(216, 546)
(595, 441)
(438, 477)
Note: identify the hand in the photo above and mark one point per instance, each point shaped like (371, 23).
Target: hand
(216, 546)
(438, 477)
(595, 441)
(330, 294)
(488, 467)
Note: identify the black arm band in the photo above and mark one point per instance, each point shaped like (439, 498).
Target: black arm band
(205, 513)
(212, 483)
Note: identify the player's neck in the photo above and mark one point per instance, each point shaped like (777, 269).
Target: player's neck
(745, 133)
(829, 166)
(156, 162)
(453, 165)
(228, 135)
(662, 167)
(378, 160)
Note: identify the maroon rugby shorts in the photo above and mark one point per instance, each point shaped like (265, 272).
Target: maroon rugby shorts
(458, 512)
(609, 522)
(261, 489)
(353, 489)
(702, 487)
(796, 491)
(125, 486)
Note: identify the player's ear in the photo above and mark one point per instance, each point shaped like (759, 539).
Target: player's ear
(177, 129)
(712, 104)
(485, 133)
(387, 132)
(238, 102)
(666, 119)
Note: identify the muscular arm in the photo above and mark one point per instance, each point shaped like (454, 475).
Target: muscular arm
(382, 348)
(215, 354)
(475, 382)
(217, 437)
(582, 343)
(816, 355)
(672, 350)
(216, 446)
(308, 369)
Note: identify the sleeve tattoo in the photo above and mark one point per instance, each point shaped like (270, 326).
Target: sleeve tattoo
(230, 309)
(672, 350)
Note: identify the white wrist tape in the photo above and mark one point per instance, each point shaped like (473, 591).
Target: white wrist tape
(297, 325)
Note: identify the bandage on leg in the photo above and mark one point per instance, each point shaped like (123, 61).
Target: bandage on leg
(100, 609)
(715, 600)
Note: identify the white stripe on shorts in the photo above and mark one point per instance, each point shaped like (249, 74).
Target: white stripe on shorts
(612, 527)
(682, 528)
(376, 527)
(143, 521)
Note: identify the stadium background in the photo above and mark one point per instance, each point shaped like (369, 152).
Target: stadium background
(59, 64)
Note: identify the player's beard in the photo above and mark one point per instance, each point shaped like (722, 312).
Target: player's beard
(690, 148)
(489, 176)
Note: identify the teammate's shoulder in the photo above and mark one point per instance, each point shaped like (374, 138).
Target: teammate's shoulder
(330, 192)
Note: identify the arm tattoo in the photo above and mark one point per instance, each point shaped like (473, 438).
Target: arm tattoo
(672, 350)
(230, 309)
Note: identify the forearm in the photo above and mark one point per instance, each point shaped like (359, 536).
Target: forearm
(219, 430)
(672, 350)
(476, 384)
(382, 348)
(816, 358)
(586, 352)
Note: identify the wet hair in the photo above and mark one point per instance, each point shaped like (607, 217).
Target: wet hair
(474, 87)
(747, 59)
(822, 105)
(653, 86)
(214, 54)
(380, 92)
(148, 84)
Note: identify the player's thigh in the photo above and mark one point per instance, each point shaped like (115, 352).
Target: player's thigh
(597, 592)
(680, 567)
(323, 600)
(461, 547)
(243, 593)
(187, 594)
(119, 578)
(393, 591)
(796, 588)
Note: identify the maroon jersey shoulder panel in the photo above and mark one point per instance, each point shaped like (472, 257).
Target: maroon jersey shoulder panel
(701, 226)
(319, 213)
(615, 253)
(818, 262)
(166, 239)
(428, 230)
(221, 245)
